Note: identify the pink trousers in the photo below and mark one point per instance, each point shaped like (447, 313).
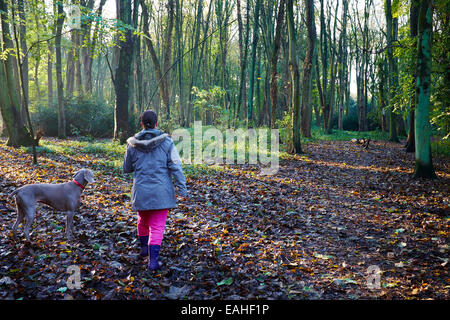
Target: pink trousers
(152, 223)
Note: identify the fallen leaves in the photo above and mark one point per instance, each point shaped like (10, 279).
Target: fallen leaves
(309, 232)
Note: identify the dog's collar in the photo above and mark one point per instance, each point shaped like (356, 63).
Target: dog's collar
(78, 184)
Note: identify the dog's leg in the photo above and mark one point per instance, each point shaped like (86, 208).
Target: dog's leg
(19, 219)
(69, 224)
(30, 213)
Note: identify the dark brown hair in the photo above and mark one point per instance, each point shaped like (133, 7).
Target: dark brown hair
(149, 119)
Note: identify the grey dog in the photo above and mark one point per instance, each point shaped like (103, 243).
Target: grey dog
(64, 197)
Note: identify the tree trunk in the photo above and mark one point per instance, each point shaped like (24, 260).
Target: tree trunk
(168, 54)
(253, 63)
(243, 52)
(323, 87)
(23, 49)
(413, 20)
(87, 50)
(183, 117)
(10, 107)
(50, 76)
(391, 64)
(295, 76)
(306, 110)
(70, 68)
(342, 64)
(381, 74)
(424, 166)
(122, 75)
(59, 81)
(274, 62)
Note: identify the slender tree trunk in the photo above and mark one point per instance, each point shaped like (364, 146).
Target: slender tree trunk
(138, 74)
(274, 63)
(306, 110)
(86, 51)
(242, 97)
(295, 76)
(342, 64)
(323, 87)
(78, 86)
(24, 85)
(424, 166)
(381, 74)
(253, 62)
(391, 63)
(50, 76)
(70, 68)
(23, 49)
(122, 75)
(38, 62)
(410, 142)
(59, 81)
(179, 38)
(168, 54)
(241, 52)
(10, 106)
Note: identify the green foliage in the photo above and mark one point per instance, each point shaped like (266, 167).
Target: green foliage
(350, 121)
(440, 146)
(440, 77)
(285, 127)
(85, 116)
(343, 135)
(208, 104)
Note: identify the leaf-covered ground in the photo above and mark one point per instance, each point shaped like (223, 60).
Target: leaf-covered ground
(312, 231)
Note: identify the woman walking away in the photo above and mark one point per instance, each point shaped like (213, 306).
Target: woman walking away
(154, 159)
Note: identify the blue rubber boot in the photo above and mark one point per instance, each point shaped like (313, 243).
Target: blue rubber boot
(143, 240)
(153, 263)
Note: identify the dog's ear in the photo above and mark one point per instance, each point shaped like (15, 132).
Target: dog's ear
(89, 176)
(75, 174)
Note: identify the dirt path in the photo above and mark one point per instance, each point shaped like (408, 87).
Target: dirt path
(312, 231)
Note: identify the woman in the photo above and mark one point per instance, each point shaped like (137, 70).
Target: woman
(154, 159)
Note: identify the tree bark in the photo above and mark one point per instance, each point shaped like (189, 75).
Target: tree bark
(424, 166)
(306, 110)
(168, 54)
(391, 69)
(23, 49)
(183, 116)
(295, 76)
(122, 75)
(274, 62)
(413, 20)
(50, 75)
(243, 53)
(342, 64)
(253, 63)
(59, 81)
(89, 45)
(10, 106)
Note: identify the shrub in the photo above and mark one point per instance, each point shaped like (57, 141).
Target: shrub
(85, 116)
(350, 122)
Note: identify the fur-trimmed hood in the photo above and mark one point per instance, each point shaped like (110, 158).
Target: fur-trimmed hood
(147, 140)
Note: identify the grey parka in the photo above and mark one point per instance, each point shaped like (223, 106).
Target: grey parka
(154, 159)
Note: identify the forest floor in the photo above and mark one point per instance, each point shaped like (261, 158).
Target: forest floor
(315, 230)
